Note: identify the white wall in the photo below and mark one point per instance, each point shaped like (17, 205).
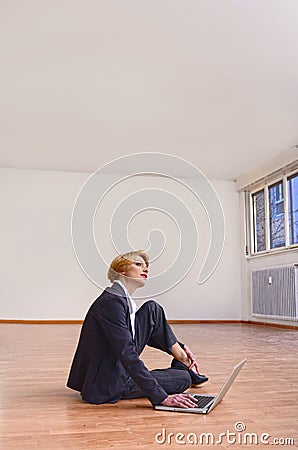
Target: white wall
(41, 278)
(220, 297)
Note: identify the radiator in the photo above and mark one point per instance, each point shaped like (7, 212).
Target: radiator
(275, 292)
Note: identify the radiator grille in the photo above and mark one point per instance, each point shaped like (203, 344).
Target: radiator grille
(274, 292)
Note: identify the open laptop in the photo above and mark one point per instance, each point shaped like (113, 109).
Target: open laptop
(205, 403)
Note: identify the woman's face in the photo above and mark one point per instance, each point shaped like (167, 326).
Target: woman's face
(137, 270)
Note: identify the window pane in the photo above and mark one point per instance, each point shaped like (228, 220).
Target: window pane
(277, 215)
(293, 208)
(259, 221)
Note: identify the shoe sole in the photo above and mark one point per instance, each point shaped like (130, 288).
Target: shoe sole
(200, 384)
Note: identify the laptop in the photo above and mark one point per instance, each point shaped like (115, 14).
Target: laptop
(206, 403)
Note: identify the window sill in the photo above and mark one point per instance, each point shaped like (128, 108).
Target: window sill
(277, 251)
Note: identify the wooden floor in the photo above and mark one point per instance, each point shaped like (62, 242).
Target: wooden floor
(37, 411)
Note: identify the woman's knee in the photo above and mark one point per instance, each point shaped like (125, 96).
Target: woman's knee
(154, 310)
(186, 380)
(174, 381)
(182, 381)
(152, 305)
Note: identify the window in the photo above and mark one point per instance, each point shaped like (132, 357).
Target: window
(275, 215)
(259, 221)
(293, 209)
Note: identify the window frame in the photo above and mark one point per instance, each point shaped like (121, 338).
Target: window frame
(250, 214)
(281, 182)
(253, 233)
(292, 175)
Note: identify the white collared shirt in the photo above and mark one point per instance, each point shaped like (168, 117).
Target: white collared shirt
(131, 305)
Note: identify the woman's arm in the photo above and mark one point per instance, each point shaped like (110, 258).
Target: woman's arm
(111, 313)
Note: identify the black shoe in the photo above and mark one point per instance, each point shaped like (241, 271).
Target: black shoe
(196, 378)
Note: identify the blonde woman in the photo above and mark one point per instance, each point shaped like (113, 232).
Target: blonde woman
(107, 368)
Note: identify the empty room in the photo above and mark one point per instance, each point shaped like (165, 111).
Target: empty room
(149, 224)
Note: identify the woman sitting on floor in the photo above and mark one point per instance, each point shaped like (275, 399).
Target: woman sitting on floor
(106, 366)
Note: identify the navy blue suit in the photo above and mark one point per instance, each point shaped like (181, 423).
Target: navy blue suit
(107, 359)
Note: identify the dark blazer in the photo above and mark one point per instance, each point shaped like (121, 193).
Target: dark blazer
(106, 353)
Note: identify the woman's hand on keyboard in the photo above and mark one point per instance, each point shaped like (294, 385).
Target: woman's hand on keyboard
(180, 400)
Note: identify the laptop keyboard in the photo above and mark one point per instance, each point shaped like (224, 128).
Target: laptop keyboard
(202, 400)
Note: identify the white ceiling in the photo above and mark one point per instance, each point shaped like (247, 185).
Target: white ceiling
(87, 81)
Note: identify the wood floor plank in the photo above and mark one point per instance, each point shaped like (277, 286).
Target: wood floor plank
(37, 411)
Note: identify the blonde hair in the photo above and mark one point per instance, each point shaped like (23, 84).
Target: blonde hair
(120, 263)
